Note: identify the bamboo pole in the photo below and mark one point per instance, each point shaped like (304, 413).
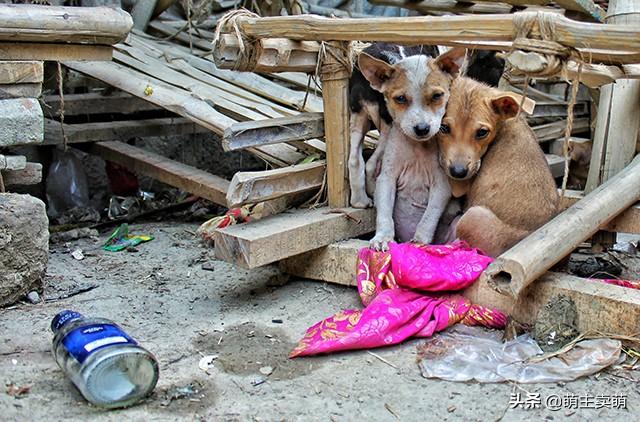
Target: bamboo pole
(515, 269)
(50, 24)
(335, 96)
(436, 30)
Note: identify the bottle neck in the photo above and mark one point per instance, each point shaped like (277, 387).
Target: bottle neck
(63, 318)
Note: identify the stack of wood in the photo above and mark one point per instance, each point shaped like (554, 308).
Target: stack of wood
(29, 35)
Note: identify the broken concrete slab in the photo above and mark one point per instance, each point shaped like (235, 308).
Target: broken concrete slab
(22, 122)
(24, 245)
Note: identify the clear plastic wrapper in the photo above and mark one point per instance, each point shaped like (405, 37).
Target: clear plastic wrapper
(473, 353)
(67, 185)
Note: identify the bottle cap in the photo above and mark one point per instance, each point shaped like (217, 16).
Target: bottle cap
(62, 318)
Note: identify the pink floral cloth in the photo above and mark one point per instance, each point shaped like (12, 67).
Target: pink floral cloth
(394, 289)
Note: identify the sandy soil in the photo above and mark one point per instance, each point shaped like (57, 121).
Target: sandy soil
(181, 312)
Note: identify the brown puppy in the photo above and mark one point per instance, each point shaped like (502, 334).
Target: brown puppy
(494, 158)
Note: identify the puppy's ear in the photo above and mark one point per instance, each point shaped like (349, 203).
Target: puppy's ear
(376, 71)
(451, 62)
(507, 104)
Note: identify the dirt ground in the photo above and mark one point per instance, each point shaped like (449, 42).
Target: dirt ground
(182, 305)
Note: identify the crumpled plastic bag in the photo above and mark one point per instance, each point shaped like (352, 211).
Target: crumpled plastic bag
(472, 353)
(67, 186)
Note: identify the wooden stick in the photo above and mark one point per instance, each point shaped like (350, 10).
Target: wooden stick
(171, 172)
(335, 88)
(437, 30)
(271, 239)
(272, 131)
(251, 187)
(515, 269)
(554, 130)
(601, 307)
(54, 52)
(627, 222)
(86, 25)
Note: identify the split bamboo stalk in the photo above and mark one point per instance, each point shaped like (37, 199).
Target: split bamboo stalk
(442, 30)
(50, 24)
(515, 269)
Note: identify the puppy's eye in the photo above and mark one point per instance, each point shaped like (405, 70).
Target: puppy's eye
(400, 99)
(445, 129)
(437, 96)
(482, 133)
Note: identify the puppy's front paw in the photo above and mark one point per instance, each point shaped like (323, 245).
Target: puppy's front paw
(361, 201)
(423, 240)
(381, 240)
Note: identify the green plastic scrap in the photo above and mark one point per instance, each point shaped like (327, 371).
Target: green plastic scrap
(121, 239)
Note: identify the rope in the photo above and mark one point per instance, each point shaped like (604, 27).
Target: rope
(250, 49)
(64, 134)
(569, 128)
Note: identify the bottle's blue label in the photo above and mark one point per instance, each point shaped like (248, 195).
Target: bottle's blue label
(83, 341)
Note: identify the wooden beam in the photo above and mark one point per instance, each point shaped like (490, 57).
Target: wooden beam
(31, 174)
(587, 7)
(118, 130)
(21, 72)
(559, 109)
(273, 131)
(436, 30)
(335, 88)
(142, 12)
(556, 164)
(250, 187)
(601, 307)
(51, 24)
(627, 222)
(96, 103)
(512, 271)
(274, 238)
(187, 178)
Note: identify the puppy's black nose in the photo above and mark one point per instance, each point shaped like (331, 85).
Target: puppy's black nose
(458, 171)
(421, 129)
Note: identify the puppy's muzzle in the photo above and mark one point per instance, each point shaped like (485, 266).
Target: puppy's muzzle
(458, 171)
(422, 130)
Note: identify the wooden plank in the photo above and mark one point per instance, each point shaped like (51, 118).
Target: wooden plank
(142, 12)
(31, 174)
(96, 103)
(588, 7)
(601, 307)
(155, 91)
(441, 30)
(446, 6)
(280, 236)
(54, 52)
(550, 131)
(250, 187)
(51, 24)
(559, 109)
(335, 84)
(273, 131)
(27, 90)
(119, 130)
(21, 72)
(168, 171)
(21, 121)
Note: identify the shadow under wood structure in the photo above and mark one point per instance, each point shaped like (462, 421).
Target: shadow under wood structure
(304, 240)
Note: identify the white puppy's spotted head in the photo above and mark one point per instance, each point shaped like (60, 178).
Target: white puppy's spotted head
(416, 89)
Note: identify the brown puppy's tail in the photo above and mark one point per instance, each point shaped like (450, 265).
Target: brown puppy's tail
(482, 229)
